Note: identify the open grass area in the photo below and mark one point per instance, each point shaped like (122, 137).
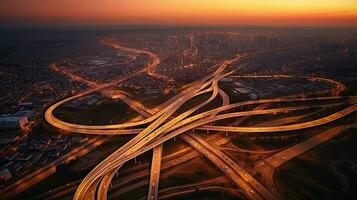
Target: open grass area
(200, 170)
(106, 112)
(265, 143)
(327, 172)
(207, 195)
(94, 157)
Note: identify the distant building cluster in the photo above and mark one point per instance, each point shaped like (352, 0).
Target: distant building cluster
(14, 126)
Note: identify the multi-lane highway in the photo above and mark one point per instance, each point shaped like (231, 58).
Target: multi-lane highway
(164, 123)
(208, 185)
(254, 129)
(138, 172)
(252, 188)
(280, 158)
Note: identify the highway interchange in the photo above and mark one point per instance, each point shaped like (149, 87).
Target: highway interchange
(164, 123)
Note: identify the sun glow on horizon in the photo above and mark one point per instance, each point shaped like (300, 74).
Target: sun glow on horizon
(205, 12)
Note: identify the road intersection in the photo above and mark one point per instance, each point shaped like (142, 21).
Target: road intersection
(165, 123)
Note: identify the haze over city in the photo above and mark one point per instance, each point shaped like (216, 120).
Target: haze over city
(151, 99)
(183, 12)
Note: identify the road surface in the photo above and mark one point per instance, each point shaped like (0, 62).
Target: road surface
(165, 123)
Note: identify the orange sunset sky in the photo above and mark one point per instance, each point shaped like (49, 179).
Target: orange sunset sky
(183, 12)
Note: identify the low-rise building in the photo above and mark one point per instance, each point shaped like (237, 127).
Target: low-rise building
(152, 92)
(10, 122)
(23, 157)
(26, 105)
(25, 113)
(5, 174)
(253, 96)
(227, 79)
(242, 90)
